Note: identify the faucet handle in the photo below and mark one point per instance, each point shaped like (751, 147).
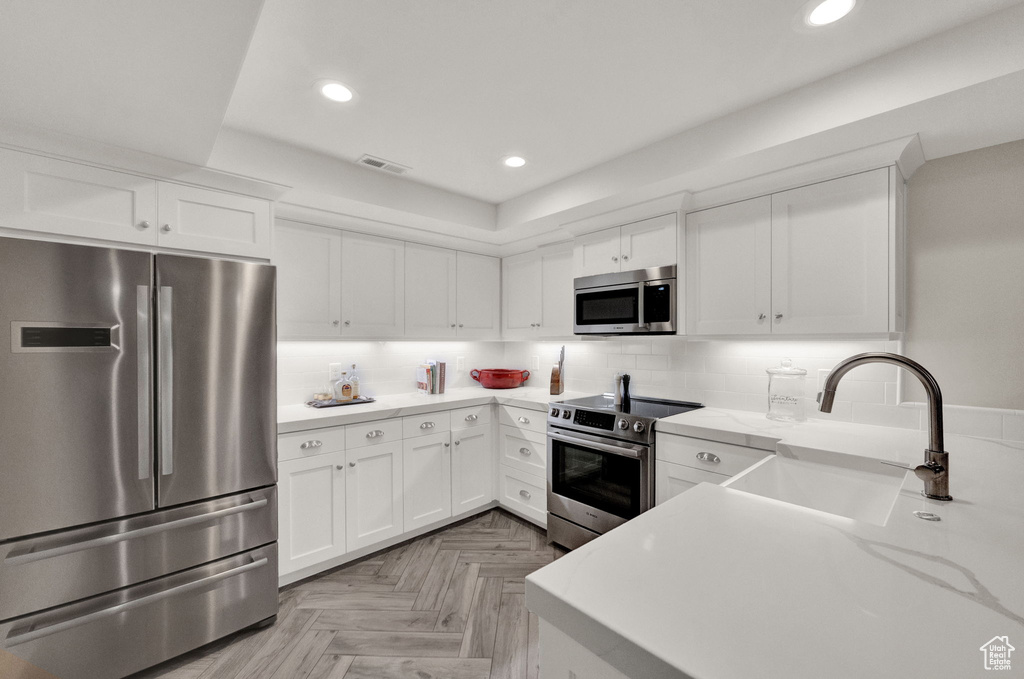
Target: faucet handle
(926, 471)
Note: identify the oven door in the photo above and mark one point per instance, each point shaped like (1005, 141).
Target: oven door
(608, 310)
(596, 482)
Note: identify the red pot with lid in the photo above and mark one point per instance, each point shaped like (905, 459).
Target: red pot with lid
(496, 378)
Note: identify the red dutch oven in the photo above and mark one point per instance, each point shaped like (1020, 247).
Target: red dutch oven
(494, 378)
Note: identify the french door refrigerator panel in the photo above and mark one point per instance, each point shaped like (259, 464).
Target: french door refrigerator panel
(75, 388)
(216, 378)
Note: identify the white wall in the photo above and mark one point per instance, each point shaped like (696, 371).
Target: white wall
(965, 277)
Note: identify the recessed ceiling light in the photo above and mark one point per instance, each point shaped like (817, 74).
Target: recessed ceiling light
(335, 91)
(829, 11)
(515, 161)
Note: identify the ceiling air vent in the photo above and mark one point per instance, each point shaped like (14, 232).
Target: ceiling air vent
(381, 164)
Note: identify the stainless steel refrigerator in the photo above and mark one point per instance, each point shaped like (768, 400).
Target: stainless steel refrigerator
(138, 506)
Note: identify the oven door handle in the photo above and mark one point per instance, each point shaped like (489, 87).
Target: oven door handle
(625, 450)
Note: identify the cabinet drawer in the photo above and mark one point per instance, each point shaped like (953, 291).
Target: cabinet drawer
(311, 442)
(672, 479)
(372, 433)
(524, 450)
(424, 425)
(471, 417)
(712, 456)
(523, 418)
(525, 493)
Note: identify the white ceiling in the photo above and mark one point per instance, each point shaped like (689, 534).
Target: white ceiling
(449, 87)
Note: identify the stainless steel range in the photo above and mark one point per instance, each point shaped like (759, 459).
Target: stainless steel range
(601, 463)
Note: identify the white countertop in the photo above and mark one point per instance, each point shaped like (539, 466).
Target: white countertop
(722, 584)
(300, 418)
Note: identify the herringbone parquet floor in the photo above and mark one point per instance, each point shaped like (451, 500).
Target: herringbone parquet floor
(448, 605)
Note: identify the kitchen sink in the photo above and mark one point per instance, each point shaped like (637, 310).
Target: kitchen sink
(845, 485)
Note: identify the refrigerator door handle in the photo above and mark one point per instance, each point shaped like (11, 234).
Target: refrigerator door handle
(25, 635)
(30, 556)
(143, 301)
(166, 379)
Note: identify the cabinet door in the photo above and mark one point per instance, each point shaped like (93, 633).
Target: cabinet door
(430, 282)
(597, 253)
(649, 243)
(192, 218)
(556, 295)
(373, 494)
(728, 269)
(427, 473)
(472, 468)
(311, 514)
(830, 256)
(308, 260)
(478, 297)
(521, 295)
(55, 196)
(372, 286)
(672, 479)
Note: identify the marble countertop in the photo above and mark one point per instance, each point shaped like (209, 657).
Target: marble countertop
(300, 418)
(721, 584)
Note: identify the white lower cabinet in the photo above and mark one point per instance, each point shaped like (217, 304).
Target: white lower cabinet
(672, 479)
(311, 514)
(524, 493)
(684, 461)
(374, 490)
(427, 474)
(472, 468)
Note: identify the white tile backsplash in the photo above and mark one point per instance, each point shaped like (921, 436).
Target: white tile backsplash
(726, 374)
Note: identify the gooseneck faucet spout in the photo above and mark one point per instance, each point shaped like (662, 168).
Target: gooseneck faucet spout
(935, 470)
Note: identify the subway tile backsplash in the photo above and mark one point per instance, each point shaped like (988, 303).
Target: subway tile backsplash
(719, 373)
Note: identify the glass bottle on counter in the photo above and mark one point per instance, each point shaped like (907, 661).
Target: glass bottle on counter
(343, 388)
(354, 379)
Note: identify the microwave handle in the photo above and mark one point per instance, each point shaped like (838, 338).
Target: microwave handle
(641, 291)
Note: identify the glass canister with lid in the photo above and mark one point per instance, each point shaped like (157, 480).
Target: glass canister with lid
(786, 392)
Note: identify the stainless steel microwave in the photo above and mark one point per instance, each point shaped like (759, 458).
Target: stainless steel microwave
(641, 302)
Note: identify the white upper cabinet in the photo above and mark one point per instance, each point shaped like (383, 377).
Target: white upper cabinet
(728, 269)
(451, 294)
(55, 196)
(430, 292)
(308, 260)
(372, 286)
(192, 218)
(59, 197)
(537, 294)
(817, 260)
(640, 245)
(830, 256)
(478, 296)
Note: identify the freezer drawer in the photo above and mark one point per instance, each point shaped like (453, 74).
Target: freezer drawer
(56, 569)
(115, 634)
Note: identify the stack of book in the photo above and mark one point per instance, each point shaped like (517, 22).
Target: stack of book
(430, 377)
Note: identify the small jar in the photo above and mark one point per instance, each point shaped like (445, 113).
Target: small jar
(786, 392)
(324, 393)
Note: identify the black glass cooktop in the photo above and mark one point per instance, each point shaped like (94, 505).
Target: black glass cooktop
(637, 405)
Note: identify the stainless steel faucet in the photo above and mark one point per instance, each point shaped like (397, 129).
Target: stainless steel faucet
(935, 470)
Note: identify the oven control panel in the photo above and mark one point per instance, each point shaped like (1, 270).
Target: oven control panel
(586, 418)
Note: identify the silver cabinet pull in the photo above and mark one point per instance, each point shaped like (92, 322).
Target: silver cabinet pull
(166, 228)
(708, 457)
(351, 464)
(17, 637)
(522, 420)
(525, 493)
(335, 323)
(144, 224)
(453, 325)
(371, 434)
(778, 317)
(378, 432)
(348, 323)
(460, 325)
(472, 418)
(339, 466)
(446, 445)
(525, 451)
(625, 258)
(310, 444)
(761, 317)
(165, 364)
(615, 259)
(427, 425)
(142, 304)
(458, 442)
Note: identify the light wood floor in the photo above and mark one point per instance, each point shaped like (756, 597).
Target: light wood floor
(448, 605)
